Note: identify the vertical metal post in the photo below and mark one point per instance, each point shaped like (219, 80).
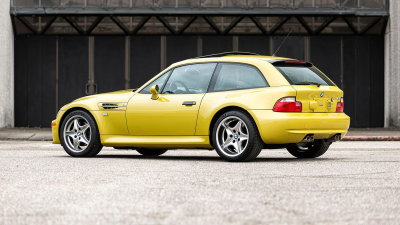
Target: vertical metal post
(91, 65)
(307, 48)
(271, 45)
(127, 61)
(199, 46)
(57, 75)
(235, 43)
(341, 63)
(163, 52)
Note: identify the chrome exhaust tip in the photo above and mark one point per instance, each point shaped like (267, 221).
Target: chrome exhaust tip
(335, 138)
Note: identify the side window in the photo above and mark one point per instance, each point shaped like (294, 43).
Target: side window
(234, 76)
(159, 81)
(190, 79)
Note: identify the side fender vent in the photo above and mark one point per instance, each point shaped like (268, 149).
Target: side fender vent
(110, 106)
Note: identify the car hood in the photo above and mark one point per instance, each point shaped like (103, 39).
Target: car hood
(90, 102)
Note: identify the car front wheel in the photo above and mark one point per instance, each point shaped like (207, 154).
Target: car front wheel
(79, 135)
(236, 138)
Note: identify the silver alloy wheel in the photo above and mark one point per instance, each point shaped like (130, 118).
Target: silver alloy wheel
(77, 133)
(232, 136)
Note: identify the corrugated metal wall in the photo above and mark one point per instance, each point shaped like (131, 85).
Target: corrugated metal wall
(52, 71)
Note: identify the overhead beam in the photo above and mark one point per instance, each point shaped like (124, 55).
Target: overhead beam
(141, 24)
(27, 25)
(187, 24)
(324, 25)
(211, 11)
(166, 24)
(94, 24)
(212, 24)
(48, 25)
(233, 24)
(370, 25)
(74, 25)
(279, 25)
(259, 25)
(305, 25)
(350, 25)
(120, 24)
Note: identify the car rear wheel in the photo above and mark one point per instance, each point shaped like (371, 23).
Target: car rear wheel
(311, 150)
(79, 135)
(151, 152)
(236, 138)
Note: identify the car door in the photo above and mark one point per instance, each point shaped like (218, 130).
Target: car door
(175, 111)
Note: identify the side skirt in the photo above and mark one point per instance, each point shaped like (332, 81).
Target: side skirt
(169, 142)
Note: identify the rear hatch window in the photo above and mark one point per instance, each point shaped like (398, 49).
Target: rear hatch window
(302, 73)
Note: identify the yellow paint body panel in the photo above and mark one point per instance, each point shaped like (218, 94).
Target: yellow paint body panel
(166, 123)
(164, 116)
(281, 128)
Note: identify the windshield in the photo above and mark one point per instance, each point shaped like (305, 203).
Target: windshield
(301, 75)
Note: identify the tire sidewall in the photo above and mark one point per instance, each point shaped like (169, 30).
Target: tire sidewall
(93, 133)
(250, 142)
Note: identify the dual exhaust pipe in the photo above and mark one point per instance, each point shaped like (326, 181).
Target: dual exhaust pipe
(310, 138)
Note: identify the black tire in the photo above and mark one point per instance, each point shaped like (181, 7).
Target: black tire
(254, 143)
(311, 150)
(94, 146)
(151, 152)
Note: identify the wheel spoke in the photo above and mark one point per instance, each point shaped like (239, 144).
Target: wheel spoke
(84, 128)
(236, 146)
(243, 137)
(70, 134)
(227, 142)
(238, 126)
(76, 125)
(84, 140)
(76, 143)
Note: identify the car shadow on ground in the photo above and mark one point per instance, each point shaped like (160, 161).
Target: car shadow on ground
(203, 158)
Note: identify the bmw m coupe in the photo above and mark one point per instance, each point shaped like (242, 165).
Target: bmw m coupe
(236, 103)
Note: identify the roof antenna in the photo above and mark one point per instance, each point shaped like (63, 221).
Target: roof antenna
(283, 42)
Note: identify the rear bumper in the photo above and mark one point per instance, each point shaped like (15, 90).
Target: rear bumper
(283, 128)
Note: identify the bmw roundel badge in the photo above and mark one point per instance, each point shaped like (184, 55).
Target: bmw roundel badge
(322, 94)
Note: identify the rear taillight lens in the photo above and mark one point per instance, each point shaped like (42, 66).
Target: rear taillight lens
(287, 104)
(340, 105)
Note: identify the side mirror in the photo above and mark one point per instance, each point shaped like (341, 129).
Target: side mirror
(154, 92)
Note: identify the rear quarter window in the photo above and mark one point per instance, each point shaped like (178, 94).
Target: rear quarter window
(236, 76)
(301, 75)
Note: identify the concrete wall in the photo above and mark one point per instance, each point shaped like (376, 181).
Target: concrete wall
(6, 67)
(392, 67)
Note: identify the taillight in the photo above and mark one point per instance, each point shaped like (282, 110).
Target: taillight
(340, 105)
(287, 104)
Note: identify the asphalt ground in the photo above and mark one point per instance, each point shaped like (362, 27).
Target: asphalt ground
(353, 183)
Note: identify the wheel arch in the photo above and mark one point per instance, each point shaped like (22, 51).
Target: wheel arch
(222, 111)
(71, 110)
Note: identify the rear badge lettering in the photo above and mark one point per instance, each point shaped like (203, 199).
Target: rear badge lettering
(322, 94)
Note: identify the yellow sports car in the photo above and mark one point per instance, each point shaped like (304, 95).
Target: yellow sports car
(235, 103)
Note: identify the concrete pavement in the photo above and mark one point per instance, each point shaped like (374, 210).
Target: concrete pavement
(353, 183)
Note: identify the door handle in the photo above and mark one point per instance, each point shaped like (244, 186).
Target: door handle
(189, 103)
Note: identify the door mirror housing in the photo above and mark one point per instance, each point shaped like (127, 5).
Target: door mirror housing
(154, 90)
